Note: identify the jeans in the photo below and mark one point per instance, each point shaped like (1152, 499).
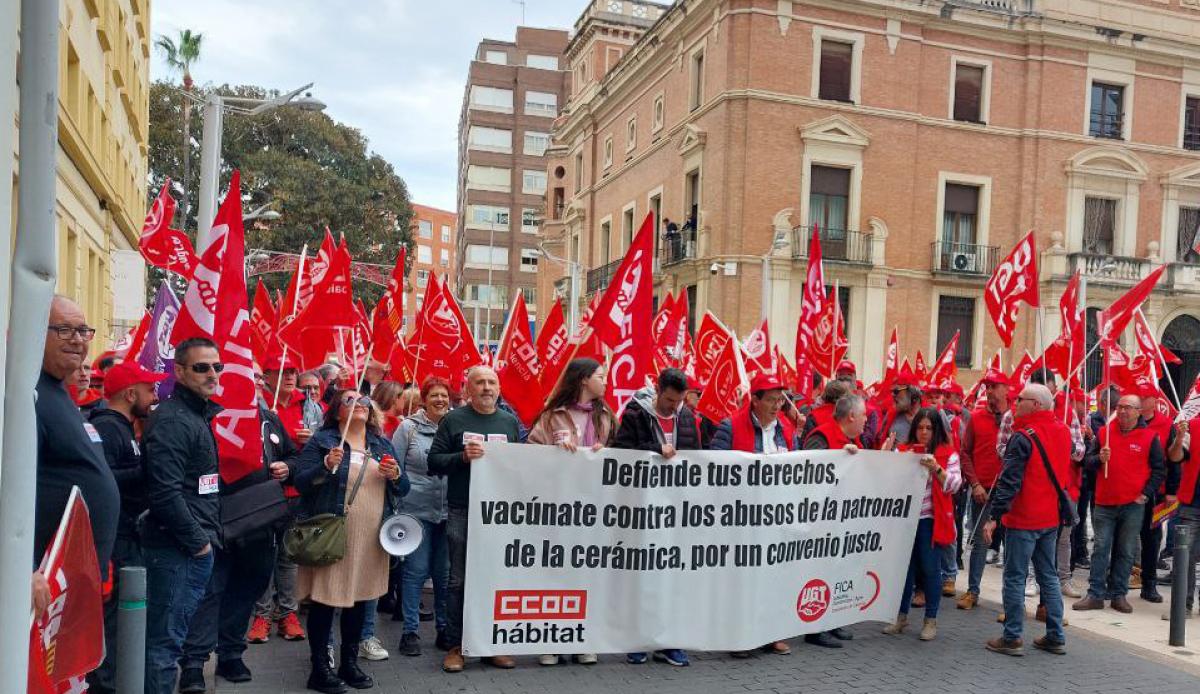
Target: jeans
(279, 598)
(928, 557)
(1079, 538)
(240, 574)
(948, 557)
(1021, 547)
(127, 551)
(370, 613)
(980, 514)
(1117, 529)
(320, 624)
(429, 561)
(1063, 551)
(175, 584)
(1189, 516)
(456, 545)
(1151, 541)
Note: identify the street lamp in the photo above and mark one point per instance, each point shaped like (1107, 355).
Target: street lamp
(572, 268)
(261, 212)
(215, 107)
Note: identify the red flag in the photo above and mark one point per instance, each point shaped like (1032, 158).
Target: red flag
(162, 246)
(921, 371)
(517, 365)
(661, 317)
(136, 339)
(327, 321)
(828, 345)
(1014, 280)
(621, 318)
(317, 269)
(727, 386)
(1113, 320)
(1147, 344)
(389, 313)
(553, 346)
(759, 358)
(945, 367)
(892, 364)
(442, 345)
(787, 374)
(1066, 353)
(262, 322)
(812, 304)
(710, 340)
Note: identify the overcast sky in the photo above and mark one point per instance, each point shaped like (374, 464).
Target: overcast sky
(394, 69)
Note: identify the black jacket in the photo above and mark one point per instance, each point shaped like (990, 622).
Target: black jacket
(124, 457)
(181, 452)
(639, 431)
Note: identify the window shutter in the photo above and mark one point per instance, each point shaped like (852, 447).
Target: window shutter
(968, 89)
(827, 180)
(836, 63)
(962, 199)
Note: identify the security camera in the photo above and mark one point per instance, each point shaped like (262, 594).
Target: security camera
(714, 268)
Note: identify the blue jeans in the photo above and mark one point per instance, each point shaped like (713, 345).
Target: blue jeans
(175, 584)
(1020, 547)
(1118, 529)
(948, 555)
(431, 560)
(928, 556)
(240, 574)
(372, 610)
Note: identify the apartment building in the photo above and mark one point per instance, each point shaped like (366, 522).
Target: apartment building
(433, 231)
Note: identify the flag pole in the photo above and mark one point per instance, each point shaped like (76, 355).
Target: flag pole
(1170, 380)
(295, 307)
(1067, 384)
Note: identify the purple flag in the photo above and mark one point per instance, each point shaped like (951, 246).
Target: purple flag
(158, 354)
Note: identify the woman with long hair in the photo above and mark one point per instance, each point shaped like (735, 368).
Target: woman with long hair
(928, 438)
(576, 416)
(386, 395)
(348, 468)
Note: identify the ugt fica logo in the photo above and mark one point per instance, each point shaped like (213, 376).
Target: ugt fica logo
(817, 597)
(813, 600)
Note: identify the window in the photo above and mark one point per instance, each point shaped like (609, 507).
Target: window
(1099, 225)
(425, 228)
(529, 220)
(487, 217)
(489, 178)
(542, 62)
(529, 260)
(496, 57)
(422, 278)
(491, 99)
(445, 233)
(608, 149)
(957, 314)
(691, 191)
(837, 62)
(489, 139)
(541, 104)
(530, 296)
(656, 123)
(444, 259)
(1191, 123)
(959, 214)
(631, 135)
(605, 242)
(697, 92)
(578, 171)
(536, 143)
(533, 182)
(486, 294)
(968, 93)
(829, 200)
(487, 256)
(1108, 110)
(425, 255)
(626, 228)
(1188, 229)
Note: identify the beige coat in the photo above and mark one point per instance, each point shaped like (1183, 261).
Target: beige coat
(560, 419)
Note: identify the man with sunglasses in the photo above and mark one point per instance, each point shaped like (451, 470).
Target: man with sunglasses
(183, 523)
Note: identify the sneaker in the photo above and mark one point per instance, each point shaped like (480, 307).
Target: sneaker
(1070, 590)
(1031, 587)
(260, 631)
(672, 656)
(993, 557)
(968, 601)
(290, 629)
(586, 658)
(1001, 645)
(1044, 644)
(410, 645)
(372, 649)
(636, 658)
(548, 659)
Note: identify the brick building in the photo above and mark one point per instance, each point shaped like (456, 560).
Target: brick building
(433, 230)
(514, 92)
(924, 138)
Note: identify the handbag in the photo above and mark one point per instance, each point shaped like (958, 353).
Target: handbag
(259, 506)
(1067, 517)
(320, 540)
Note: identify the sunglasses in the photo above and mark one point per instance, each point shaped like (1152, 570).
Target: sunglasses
(202, 367)
(361, 401)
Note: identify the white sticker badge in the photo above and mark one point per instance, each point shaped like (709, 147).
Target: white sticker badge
(208, 484)
(92, 433)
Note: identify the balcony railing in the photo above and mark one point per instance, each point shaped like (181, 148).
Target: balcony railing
(1101, 267)
(964, 258)
(843, 245)
(678, 248)
(602, 276)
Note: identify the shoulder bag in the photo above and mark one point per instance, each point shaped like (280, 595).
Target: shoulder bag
(1067, 517)
(321, 539)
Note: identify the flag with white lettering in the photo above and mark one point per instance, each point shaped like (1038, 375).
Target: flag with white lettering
(1014, 280)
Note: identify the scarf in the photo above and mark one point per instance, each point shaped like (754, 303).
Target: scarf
(587, 437)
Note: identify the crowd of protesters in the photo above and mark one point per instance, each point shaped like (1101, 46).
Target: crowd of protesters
(1016, 475)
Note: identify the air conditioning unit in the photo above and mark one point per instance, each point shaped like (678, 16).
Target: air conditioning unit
(963, 262)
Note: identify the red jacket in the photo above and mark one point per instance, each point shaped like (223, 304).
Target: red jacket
(1128, 465)
(833, 436)
(943, 504)
(1035, 506)
(744, 434)
(986, 461)
(1191, 467)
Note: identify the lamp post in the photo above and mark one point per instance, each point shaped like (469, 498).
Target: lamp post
(573, 269)
(215, 107)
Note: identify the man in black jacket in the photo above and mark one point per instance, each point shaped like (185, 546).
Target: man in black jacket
(659, 422)
(183, 524)
(131, 393)
(241, 571)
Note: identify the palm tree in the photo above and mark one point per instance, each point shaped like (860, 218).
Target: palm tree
(181, 54)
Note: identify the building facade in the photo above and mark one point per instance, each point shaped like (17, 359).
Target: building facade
(434, 232)
(514, 92)
(103, 126)
(921, 139)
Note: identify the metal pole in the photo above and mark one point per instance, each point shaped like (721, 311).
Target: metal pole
(574, 266)
(491, 256)
(210, 168)
(766, 286)
(34, 273)
(1083, 382)
(1179, 585)
(131, 630)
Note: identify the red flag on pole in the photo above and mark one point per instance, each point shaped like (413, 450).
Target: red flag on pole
(517, 365)
(945, 368)
(137, 338)
(710, 340)
(759, 358)
(442, 345)
(812, 304)
(1147, 344)
(553, 346)
(727, 385)
(327, 320)
(1067, 352)
(892, 363)
(389, 313)
(919, 368)
(828, 345)
(262, 322)
(162, 246)
(1014, 280)
(1112, 320)
(787, 374)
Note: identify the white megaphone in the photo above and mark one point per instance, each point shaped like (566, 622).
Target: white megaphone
(400, 535)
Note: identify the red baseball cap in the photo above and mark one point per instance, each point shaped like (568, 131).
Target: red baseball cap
(766, 382)
(126, 374)
(954, 389)
(275, 363)
(905, 379)
(846, 365)
(997, 377)
(1146, 389)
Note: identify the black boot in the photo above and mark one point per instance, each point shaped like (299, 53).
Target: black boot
(350, 673)
(322, 679)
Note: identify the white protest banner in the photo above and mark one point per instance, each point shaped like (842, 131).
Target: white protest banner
(621, 551)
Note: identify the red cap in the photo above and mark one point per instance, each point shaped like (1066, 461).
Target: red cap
(995, 376)
(97, 376)
(905, 379)
(845, 365)
(954, 389)
(766, 382)
(1146, 389)
(126, 374)
(275, 363)
(1078, 395)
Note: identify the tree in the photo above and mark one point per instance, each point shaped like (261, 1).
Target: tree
(314, 171)
(180, 56)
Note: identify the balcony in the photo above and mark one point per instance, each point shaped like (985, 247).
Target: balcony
(678, 248)
(1182, 278)
(838, 245)
(964, 258)
(1008, 7)
(602, 276)
(1108, 269)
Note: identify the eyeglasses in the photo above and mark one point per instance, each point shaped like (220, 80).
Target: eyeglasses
(65, 332)
(1128, 407)
(202, 367)
(259, 377)
(311, 388)
(362, 401)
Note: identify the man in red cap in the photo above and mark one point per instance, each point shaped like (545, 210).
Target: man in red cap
(847, 373)
(131, 393)
(906, 400)
(981, 467)
(1171, 439)
(758, 428)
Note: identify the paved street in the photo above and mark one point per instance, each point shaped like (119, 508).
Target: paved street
(956, 662)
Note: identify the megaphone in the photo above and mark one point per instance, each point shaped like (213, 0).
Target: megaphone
(400, 535)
